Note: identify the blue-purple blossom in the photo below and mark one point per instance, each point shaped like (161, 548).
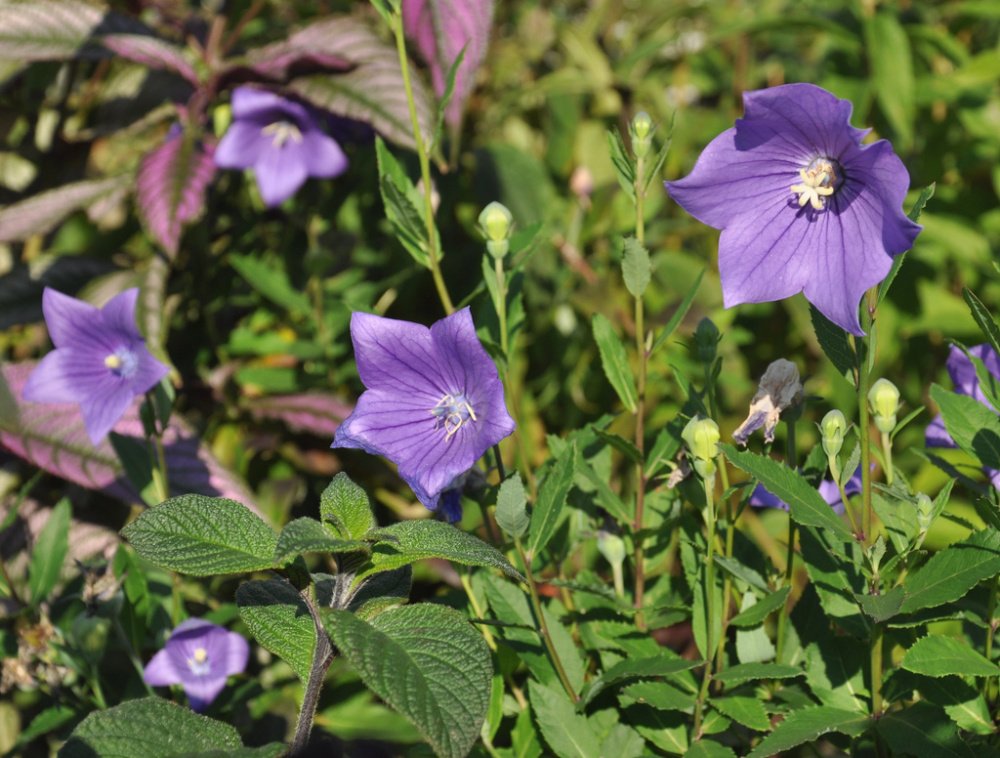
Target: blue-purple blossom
(803, 206)
(434, 402)
(966, 382)
(281, 141)
(100, 362)
(761, 498)
(199, 656)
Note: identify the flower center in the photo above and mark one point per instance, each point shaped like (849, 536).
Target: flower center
(451, 412)
(281, 132)
(122, 362)
(198, 662)
(819, 181)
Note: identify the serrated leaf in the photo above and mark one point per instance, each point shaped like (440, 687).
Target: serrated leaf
(973, 426)
(619, 443)
(741, 572)
(835, 344)
(307, 535)
(748, 711)
(983, 318)
(403, 204)
(962, 702)
(808, 724)
(756, 614)
(952, 572)
(49, 553)
(675, 320)
(883, 607)
(345, 507)
(512, 507)
(614, 360)
(660, 665)
(937, 656)
(428, 663)
(750, 672)
(807, 506)
(203, 536)
(380, 592)
(635, 266)
(892, 72)
(408, 541)
(567, 732)
(552, 493)
(41, 213)
(663, 696)
(705, 748)
(279, 619)
(170, 186)
(924, 725)
(151, 727)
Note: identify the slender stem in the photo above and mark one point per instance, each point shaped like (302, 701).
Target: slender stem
(425, 168)
(322, 658)
(502, 305)
(876, 663)
(862, 346)
(887, 452)
(847, 508)
(543, 627)
(991, 628)
(791, 460)
(638, 538)
(699, 707)
(477, 609)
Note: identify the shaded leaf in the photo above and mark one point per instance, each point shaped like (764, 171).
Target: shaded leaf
(748, 711)
(924, 725)
(151, 52)
(41, 213)
(660, 665)
(973, 426)
(279, 619)
(512, 507)
(897, 262)
(56, 29)
(806, 725)
(635, 266)
(307, 535)
(49, 553)
(271, 281)
(756, 614)
(835, 344)
(749, 672)
(984, 319)
(614, 360)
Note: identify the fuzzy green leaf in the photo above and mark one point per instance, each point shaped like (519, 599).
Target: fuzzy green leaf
(279, 619)
(938, 656)
(346, 508)
(615, 361)
(307, 535)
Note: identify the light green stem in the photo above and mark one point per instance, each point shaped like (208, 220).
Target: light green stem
(699, 707)
(887, 453)
(640, 412)
(791, 460)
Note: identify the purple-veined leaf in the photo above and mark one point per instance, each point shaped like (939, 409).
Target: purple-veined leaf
(313, 413)
(52, 437)
(372, 91)
(152, 52)
(170, 186)
(56, 29)
(441, 29)
(42, 212)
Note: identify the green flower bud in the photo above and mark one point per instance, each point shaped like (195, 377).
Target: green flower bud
(833, 427)
(702, 438)
(641, 132)
(612, 547)
(883, 399)
(706, 341)
(496, 222)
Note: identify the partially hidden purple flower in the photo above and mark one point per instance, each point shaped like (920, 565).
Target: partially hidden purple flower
(281, 141)
(966, 382)
(761, 498)
(199, 656)
(803, 206)
(100, 362)
(433, 404)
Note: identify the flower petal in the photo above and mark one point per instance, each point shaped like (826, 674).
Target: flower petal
(241, 145)
(160, 671)
(261, 106)
(237, 654)
(149, 371)
(401, 357)
(326, 159)
(202, 690)
(68, 319)
(280, 171)
(937, 435)
(54, 379)
(103, 409)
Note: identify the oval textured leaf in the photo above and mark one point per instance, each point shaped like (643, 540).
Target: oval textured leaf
(428, 663)
(279, 619)
(307, 535)
(202, 536)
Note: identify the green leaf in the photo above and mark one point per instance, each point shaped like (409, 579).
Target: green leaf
(346, 508)
(741, 572)
(567, 732)
(619, 443)
(748, 711)
(49, 553)
(883, 607)
(897, 263)
(952, 572)
(202, 536)
(961, 701)
(808, 724)
(752, 644)
(663, 696)
(403, 204)
(552, 495)
(428, 663)
(837, 579)
(835, 344)
(659, 665)
(615, 361)
(47, 721)
(834, 666)
(512, 507)
(757, 614)
(380, 592)
(984, 319)
(704, 748)
(271, 281)
(622, 163)
(939, 656)
(925, 726)
(750, 672)
(807, 506)
(279, 619)
(974, 427)
(307, 535)
(151, 727)
(892, 72)
(408, 541)
(682, 310)
(635, 266)
(133, 453)
(898, 517)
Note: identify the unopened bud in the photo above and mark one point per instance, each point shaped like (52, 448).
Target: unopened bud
(706, 341)
(702, 438)
(883, 399)
(641, 130)
(612, 547)
(833, 427)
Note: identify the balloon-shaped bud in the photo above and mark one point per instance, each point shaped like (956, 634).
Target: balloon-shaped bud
(702, 438)
(641, 131)
(833, 427)
(496, 222)
(883, 399)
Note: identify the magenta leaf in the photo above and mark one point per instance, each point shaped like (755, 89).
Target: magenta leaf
(43, 30)
(171, 184)
(441, 29)
(152, 52)
(52, 437)
(313, 413)
(41, 213)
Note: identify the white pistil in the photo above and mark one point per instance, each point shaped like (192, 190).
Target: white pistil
(817, 184)
(281, 132)
(453, 411)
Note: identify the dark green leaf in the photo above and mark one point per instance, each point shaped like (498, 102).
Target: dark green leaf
(922, 725)
(619, 443)
(961, 701)
(660, 665)
(748, 711)
(552, 494)
(622, 162)
(614, 360)
(984, 319)
(134, 455)
(705, 748)
(755, 615)
(974, 427)
(49, 553)
(835, 344)
(892, 72)
(271, 281)
(750, 672)
(512, 507)
(567, 732)
(307, 535)
(808, 724)
(403, 204)
(279, 619)
(951, 573)
(881, 608)
(938, 656)
(897, 263)
(345, 507)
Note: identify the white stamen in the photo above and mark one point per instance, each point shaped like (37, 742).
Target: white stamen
(113, 362)
(281, 132)
(817, 183)
(453, 411)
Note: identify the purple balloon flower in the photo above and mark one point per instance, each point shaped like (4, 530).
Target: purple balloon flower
(199, 656)
(761, 498)
(100, 361)
(966, 382)
(280, 141)
(802, 205)
(434, 402)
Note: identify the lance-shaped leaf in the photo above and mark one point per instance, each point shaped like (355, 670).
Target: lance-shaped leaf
(936, 656)
(152, 52)
(973, 426)
(428, 663)
(42, 212)
(548, 511)
(806, 725)
(952, 572)
(442, 29)
(615, 361)
(171, 184)
(44, 30)
(279, 619)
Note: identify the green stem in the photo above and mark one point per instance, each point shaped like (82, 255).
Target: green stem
(543, 627)
(640, 432)
(887, 452)
(991, 629)
(699, 707)
(876, 663)
(502, 305)
(322, 658)
(425, 168)
(847, 507)
(862, 346)
(791, 459)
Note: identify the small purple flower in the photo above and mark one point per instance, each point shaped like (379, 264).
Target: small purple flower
(434, 402)
(802, 205)
(966, 382)
(199, 656)
(280, 141)
(761, 498)
(100, 361)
